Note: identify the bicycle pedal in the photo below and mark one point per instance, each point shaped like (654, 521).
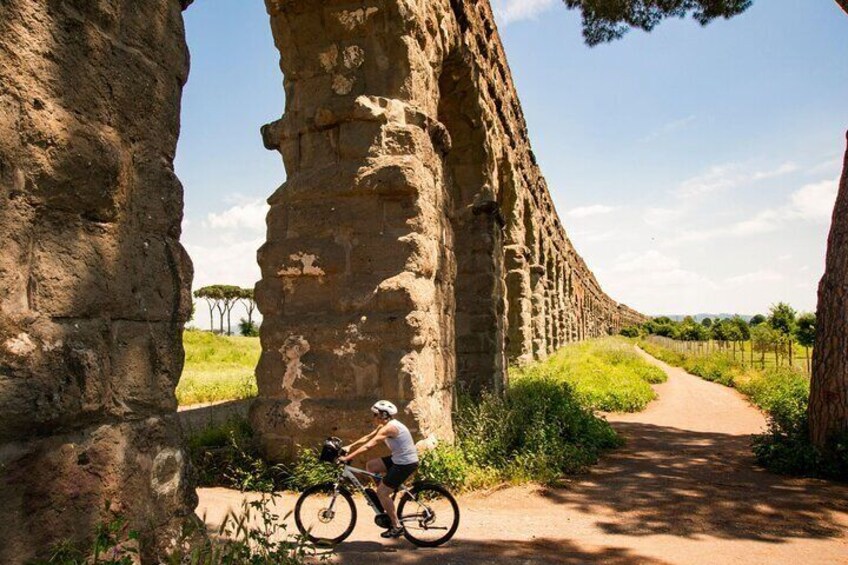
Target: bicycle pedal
(383, 521)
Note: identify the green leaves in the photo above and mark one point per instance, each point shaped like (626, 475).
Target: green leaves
(607, 20)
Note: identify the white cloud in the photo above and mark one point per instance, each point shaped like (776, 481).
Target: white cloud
(650, 260)
(586, 211)
(723, 177)
(828, 167)
(596, 236)
(815, 201)
(662, 217)
(812, 203)
(225, 261)
(668, 128)
(509, 11)
(249, 215)
(760, 276)
(653, 269)
(653, 281)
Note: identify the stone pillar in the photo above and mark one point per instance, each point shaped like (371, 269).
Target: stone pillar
(540, 337)
(94, 285)
(355, 266)
(520, 315)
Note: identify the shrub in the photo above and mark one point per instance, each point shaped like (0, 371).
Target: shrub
(307, 469)
(631, 331)
(538, 431)
(445, 464)
(228, 455)
(248, 328)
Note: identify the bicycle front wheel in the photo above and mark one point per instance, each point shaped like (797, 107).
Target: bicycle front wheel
(429, 514)
(325, 514)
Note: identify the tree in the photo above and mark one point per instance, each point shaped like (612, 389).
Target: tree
(707, 322)
(828, 408)
(756, 320)
(743, 327)
(605, 20)
(220, 297)
(690, 330)
(763, 338)
(718, 331)
(805, 333)
(782, 318)
(212, 297)
(230, 295)
(249, 302)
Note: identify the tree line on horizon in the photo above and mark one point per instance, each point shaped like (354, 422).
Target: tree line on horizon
(778, 331)
(222, 298)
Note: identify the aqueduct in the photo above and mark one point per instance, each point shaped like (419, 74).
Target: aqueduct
(412, 252)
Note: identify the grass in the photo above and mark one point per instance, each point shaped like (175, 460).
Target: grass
(217, 368)
(607, 374)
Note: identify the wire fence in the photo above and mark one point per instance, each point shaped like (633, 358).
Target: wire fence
(744, 352)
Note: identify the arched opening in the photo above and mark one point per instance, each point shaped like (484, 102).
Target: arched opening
(474, 250)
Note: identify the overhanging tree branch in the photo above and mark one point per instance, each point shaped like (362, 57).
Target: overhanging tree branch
(605, 20)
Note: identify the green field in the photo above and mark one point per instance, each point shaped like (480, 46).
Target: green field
(607, 374)
(217, 367)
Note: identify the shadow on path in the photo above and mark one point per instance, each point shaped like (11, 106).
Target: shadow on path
(684, 483)
(460, 552)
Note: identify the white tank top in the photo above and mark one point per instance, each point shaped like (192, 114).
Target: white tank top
(402, 446)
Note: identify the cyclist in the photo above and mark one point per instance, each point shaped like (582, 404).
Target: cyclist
(394, 469)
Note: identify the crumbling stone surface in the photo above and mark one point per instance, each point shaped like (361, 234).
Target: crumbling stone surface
(414, 250)
(94, 285)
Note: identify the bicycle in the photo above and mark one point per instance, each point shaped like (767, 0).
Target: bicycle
(425, 508)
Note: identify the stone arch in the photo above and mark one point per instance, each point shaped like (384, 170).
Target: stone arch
(474, 213)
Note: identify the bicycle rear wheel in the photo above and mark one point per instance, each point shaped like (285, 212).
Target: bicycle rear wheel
(325, 514)
(429, 514)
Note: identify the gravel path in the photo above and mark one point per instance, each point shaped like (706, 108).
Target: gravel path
(683, 490)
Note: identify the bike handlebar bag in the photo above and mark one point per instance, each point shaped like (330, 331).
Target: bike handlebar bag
(331, 449)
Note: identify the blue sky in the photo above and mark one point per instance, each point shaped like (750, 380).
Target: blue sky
(694, 168)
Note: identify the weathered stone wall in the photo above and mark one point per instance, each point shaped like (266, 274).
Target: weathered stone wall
(93, 281)
(414, 249)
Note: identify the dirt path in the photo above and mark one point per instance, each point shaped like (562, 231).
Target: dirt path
(683, 490)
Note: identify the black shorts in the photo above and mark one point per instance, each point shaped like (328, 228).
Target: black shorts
(396, 474)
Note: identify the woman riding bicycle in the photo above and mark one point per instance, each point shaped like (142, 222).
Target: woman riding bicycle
(394, 469)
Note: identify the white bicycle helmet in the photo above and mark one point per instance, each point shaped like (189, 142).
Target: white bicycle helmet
(384, 408)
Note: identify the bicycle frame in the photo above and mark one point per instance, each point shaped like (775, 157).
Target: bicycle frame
(349, 474)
